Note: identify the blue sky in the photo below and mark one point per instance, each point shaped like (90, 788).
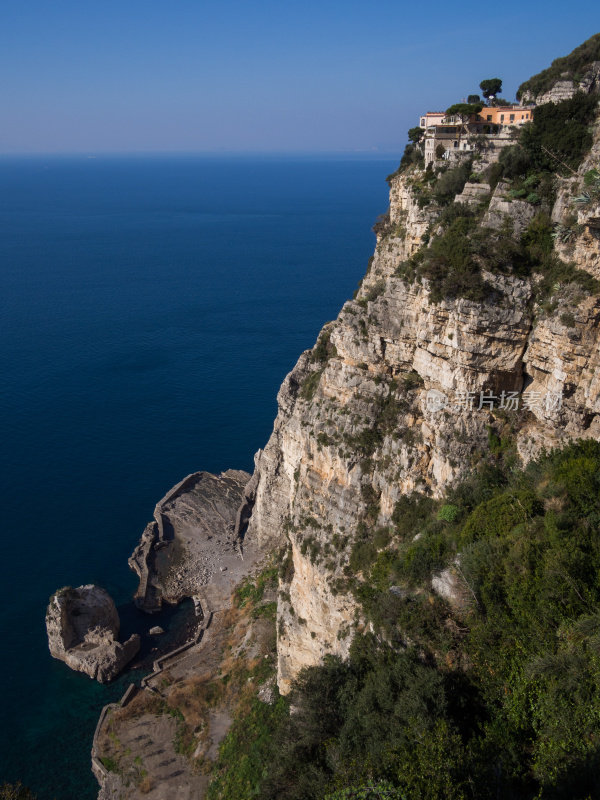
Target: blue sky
(235, 75)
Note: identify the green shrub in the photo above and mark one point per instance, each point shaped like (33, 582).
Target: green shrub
(451, 183)
(324, 349)
(559, 134)
(268, 611)
(411, 513)
(373, 790)
(109, 763)
(412, 157)
(450, 267)
(514, 160)
(419, 560)
(245, 750)
(375, 291)
(412, 380)
(449, 513)
(362, 556)
(498, 516)
(253, 589)
(310, 384)
(538, 241)
(494, 173)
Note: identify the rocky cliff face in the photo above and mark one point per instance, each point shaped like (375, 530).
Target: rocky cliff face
(565, 88)
(395, 397)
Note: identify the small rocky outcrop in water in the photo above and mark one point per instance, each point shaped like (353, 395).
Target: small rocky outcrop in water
(83, 628)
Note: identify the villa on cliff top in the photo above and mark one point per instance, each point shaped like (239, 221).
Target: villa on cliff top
(493, 115)
(455, 135)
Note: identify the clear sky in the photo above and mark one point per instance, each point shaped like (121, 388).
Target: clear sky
(239, 75)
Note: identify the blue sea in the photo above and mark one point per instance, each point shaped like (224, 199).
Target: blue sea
(149, 308)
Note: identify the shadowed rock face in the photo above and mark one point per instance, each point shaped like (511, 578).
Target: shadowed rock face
(83, 628)
(197, 531)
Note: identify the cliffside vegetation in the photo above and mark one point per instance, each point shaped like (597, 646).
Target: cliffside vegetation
(570, 66)
(494, 695)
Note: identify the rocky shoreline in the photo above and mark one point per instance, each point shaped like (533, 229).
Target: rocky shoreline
(193, 549)
(203, 516)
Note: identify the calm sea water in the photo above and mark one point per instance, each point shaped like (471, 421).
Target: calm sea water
(149, 311)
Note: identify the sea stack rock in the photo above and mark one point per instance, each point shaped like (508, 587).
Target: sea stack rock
(83, 629)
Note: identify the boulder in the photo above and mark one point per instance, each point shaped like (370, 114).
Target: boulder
(156, 631)
(83, 628)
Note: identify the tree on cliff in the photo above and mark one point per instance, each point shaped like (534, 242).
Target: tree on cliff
(415, 134)
(464, 110)
(491, 87)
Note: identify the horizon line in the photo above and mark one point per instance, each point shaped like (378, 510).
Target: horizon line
(92, 154)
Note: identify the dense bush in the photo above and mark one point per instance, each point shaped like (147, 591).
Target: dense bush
(560, 134)
(451, 183)
(324, 348)
(310, 384)
(449, 264)
(514, 160)
(412, 156)
(381, 715)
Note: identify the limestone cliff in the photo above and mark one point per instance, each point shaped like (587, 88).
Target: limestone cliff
(388, 401)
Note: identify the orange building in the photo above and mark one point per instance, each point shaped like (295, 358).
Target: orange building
(490, 115)
(505, 115)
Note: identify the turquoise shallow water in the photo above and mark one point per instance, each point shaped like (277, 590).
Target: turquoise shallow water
(149, 309)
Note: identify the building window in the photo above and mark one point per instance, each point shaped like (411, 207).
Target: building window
(501, 117)
(489, 117)
(512, 117)
(455, 144)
